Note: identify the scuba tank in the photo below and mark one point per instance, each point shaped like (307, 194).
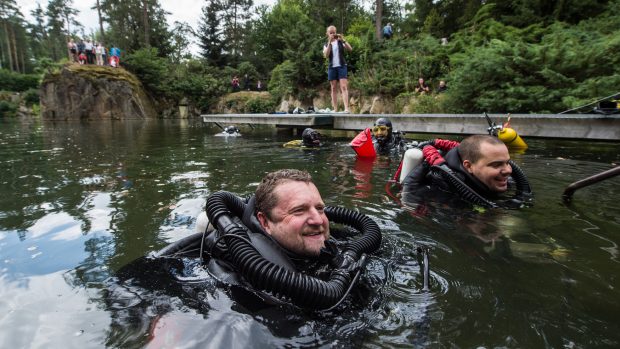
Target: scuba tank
(510, 137)
(506, 134)
(412, 158)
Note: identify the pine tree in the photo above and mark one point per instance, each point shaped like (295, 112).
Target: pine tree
(210, 33)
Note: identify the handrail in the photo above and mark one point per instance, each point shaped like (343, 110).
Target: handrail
(585, 105)
(568, 192)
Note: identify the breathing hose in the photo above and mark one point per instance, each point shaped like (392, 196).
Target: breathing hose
(300, 289)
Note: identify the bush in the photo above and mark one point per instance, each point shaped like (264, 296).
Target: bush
(260, 105)
(31, 97)
(150, 69)
(11, 81)
(7, 109)
(283, 78)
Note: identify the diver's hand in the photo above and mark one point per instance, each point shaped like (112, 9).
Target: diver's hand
(431, 156)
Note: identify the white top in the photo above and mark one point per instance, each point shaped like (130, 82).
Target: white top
(335, 54)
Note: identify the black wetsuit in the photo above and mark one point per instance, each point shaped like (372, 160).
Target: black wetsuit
(421, 177)
(394, 144)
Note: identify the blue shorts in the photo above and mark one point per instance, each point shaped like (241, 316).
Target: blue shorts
(337, 73)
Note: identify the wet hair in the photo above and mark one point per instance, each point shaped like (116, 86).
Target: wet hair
(266, 198)
(469, 149)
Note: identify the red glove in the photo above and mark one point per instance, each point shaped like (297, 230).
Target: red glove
(445, 145)
(432, 156)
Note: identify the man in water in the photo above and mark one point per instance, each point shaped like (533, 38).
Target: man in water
(479, 161)
(310, 138)
(291, 210)
(385, 139)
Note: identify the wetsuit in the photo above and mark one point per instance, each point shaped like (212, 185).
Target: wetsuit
(422, 176)
(394, 144)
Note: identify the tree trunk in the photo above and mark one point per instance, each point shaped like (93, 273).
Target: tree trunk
(14, 42)
(8, 44)
(100, 23)
(147, 40)
(21, 55)
(378, 18)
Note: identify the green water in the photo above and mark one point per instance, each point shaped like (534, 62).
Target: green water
(81, 200)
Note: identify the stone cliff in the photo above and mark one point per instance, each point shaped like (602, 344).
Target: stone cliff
(88, 91)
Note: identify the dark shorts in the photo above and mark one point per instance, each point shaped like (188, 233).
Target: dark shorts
(337, 73)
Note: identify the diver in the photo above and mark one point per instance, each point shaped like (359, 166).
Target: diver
(310, 138)
(478, 169)
(385, 139)
(231, 130)
(279, 245)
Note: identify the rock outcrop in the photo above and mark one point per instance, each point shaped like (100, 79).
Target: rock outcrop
(96, 92)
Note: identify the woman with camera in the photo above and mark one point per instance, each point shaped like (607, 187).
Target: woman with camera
(337, 70)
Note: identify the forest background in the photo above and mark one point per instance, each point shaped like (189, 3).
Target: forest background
(500, 56)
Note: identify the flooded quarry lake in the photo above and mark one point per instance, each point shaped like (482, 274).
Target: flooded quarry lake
(82, 204)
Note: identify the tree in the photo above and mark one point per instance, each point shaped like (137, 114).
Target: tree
(236, 14)
(210, 38)
(38, 33)
(8, 15)
(378, 18)
(100, 18)
(181, 40)
(136, 24)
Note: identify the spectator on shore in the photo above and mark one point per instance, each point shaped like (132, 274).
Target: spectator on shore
(99, 52)
(337, 73)
(235, 84)
(80, 47)
(246, 82)
(88, 48)
(115, 56)
(442, 87)
(82, 58)
(422, 87)
(73, 53)
(259, 86)
(387, 31)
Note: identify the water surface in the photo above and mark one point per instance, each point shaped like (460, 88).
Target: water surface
(82, 201)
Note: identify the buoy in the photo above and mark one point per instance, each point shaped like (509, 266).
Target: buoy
(362, 144)
(412, 158)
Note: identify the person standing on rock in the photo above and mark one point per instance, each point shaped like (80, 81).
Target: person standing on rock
(333, 50)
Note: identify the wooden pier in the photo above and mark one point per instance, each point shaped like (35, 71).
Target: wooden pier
(573, 126)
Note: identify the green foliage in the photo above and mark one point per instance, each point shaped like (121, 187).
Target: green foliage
(282, 82)
(567, 67)
(7, 109)
(260, 105)
(151, 69)
(31, 97)
(397, 66)
(11, 81)
(200, 83)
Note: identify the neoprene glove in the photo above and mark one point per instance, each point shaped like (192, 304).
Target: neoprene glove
(444, 144)
(432, 156)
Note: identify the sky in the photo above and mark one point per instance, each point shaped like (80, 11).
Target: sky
(180, 10)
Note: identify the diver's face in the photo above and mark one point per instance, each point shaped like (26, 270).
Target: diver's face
(381, 132)
(315, 138)
(492, 168)
(298, 222)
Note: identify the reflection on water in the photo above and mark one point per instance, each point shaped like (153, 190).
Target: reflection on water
(82, 203)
